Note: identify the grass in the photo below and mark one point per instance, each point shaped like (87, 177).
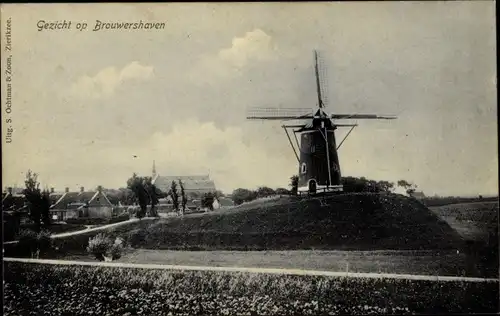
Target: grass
(348, 222)
(472, 220)
(35, 289)
(426, 263)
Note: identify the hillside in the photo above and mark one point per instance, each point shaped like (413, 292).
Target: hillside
(347, 221)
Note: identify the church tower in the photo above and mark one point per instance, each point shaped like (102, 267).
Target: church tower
(154, 170)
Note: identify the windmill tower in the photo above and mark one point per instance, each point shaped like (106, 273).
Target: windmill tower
(319, 167)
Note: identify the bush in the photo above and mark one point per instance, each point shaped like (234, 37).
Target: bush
(44, 241)
(27, 244)
(33, 244)
(99, 246)
(102, 246)
(116, 251)
(137, 237)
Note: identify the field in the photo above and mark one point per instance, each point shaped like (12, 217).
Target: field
(473, 221)
(34, 289)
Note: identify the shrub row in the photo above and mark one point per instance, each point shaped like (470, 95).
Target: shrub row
(98, 221)
(34, 289)
(54, 228)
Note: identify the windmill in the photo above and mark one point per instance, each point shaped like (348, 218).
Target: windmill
(319, 168)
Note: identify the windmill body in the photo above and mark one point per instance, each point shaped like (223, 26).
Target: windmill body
(318, 161)
(317, 152)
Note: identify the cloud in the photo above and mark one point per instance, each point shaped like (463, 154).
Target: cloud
(106, 81)
(254, 46)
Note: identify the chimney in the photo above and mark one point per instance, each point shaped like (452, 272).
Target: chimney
(82, 189)
(66, 190)
(52, 190)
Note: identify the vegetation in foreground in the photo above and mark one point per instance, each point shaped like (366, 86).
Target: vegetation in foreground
(35, 289)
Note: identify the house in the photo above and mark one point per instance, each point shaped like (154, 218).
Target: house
(12, 201)
(92, 204)
(54, 196)
(194, 186)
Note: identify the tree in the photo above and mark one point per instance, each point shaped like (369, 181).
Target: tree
(153, 195)
(219, 193)
(265, 191)
(138, 186)
(294, 184)
(183, 196)
(125, 196)
(38, 201)
(282, 191)
(175, 195)
(208, 200)
(386, 186)
(352, 184)
(243, 195)
(408, 186)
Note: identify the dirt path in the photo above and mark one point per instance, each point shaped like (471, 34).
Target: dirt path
(253, 270)
(88, 229)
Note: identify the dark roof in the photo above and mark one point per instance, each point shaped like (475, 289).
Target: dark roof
(54, 197)
(13, 201)
(80, 198)
(191, 183)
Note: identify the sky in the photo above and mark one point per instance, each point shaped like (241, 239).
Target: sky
(90, 107)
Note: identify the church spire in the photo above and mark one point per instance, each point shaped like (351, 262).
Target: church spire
(154, 170)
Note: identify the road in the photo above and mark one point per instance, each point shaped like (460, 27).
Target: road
(253, 270)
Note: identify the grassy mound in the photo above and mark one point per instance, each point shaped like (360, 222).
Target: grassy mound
(347, 221)
(34, 289)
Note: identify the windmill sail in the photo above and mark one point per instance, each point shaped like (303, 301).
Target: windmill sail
(362, 116)
(278, 113)
(318, 87)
